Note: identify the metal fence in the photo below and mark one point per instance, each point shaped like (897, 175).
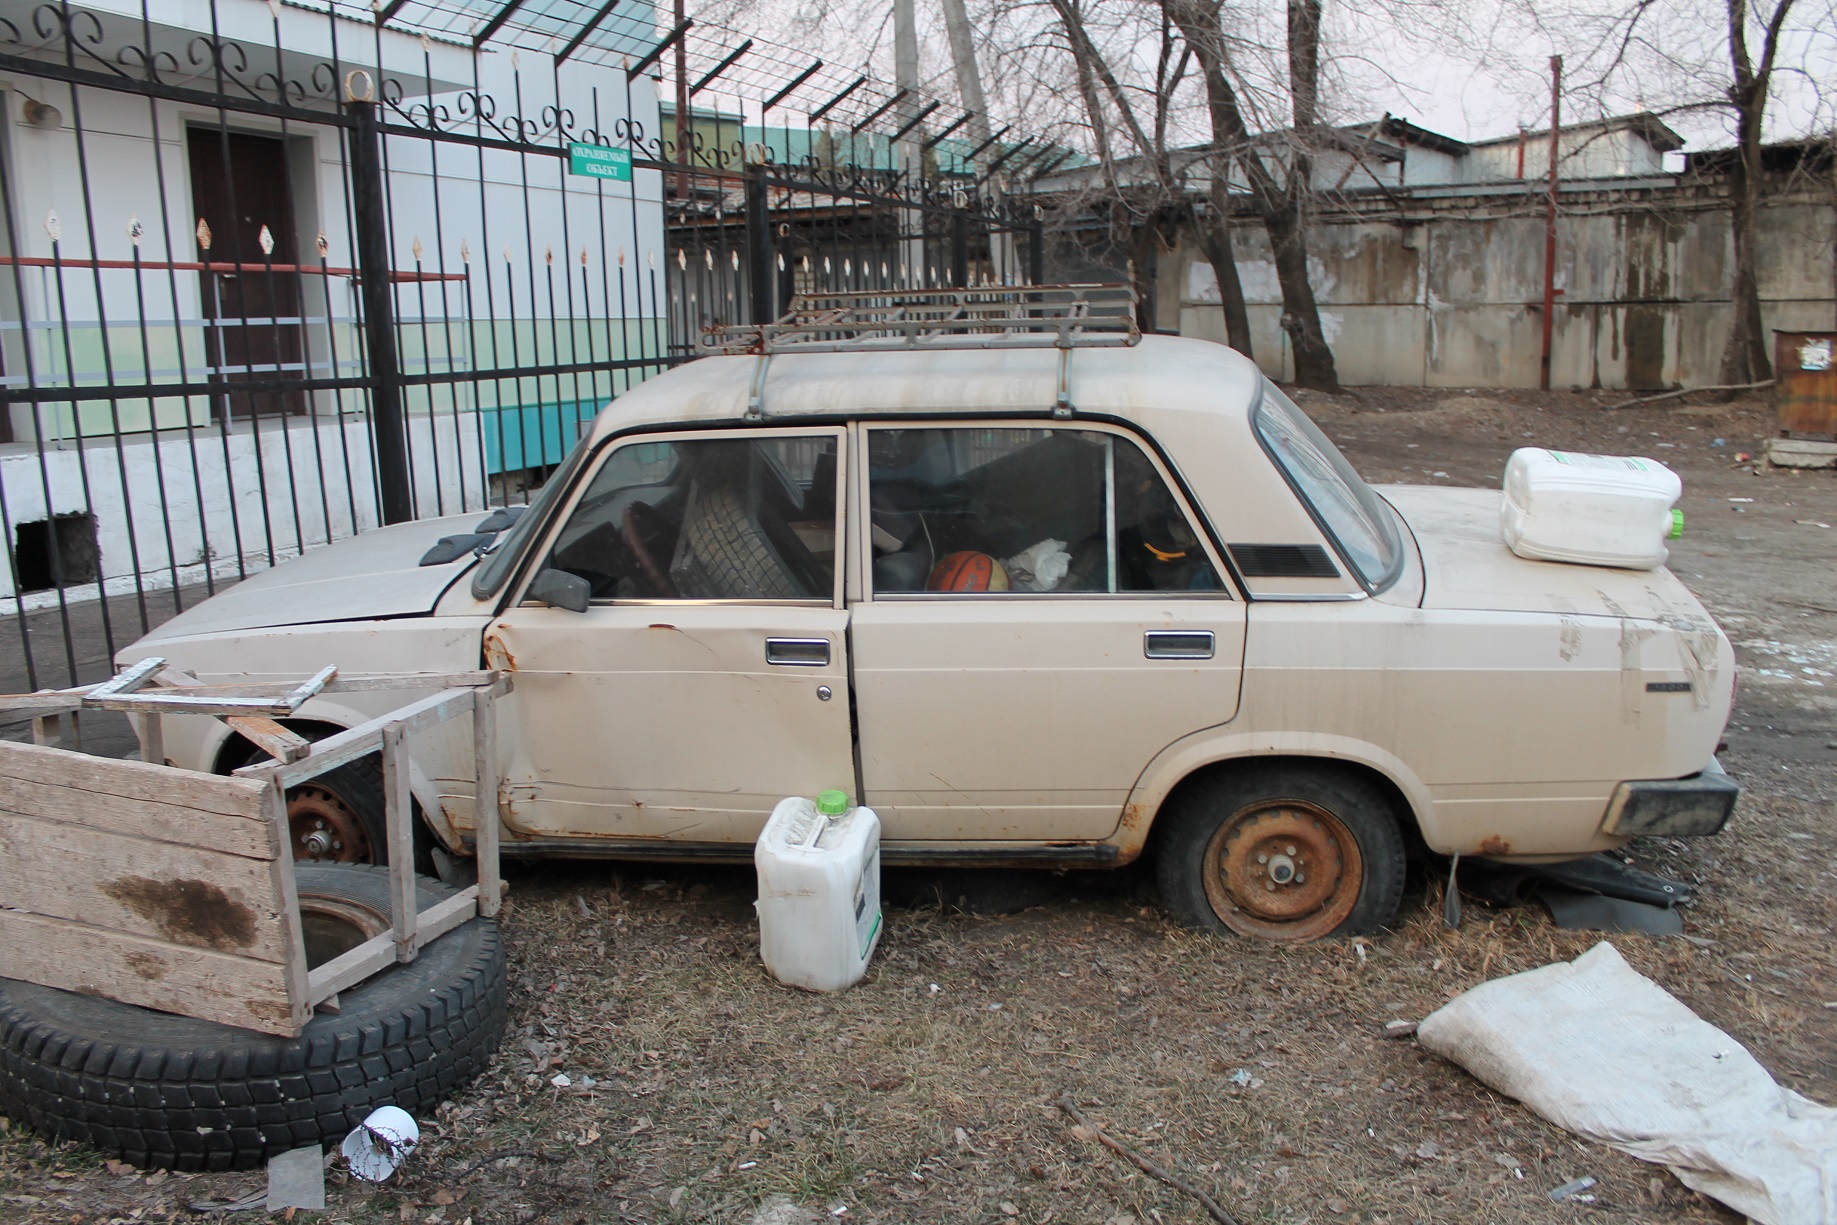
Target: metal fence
(274, 275)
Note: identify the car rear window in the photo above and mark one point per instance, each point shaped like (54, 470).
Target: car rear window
(1352, 515)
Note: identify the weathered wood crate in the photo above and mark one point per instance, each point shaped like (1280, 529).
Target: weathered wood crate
(173, 889)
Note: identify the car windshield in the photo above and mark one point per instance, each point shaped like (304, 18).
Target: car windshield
(503, 555)
(1348, 510)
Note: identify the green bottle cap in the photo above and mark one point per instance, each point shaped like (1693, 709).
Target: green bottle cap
(1677, 524)
(832, 803)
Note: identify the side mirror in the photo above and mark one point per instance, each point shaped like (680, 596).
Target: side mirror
(560, 589)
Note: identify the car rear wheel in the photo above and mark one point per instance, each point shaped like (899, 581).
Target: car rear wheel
(1282, 852)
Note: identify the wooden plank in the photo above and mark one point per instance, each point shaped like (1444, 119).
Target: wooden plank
(267, 735)
(443, 916)
(152, 740)
(16, 706)
(132, 797)
(378, 953)
(193, 982)
(412, 680)
(364, 739)
(290, 929)
(190, 700)
(399, 817)
(127, 680)
(373, 683)
(348, 969)
(485, 811)
(185, 895)
(270, 737)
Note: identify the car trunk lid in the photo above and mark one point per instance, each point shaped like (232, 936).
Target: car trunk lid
(1467, 565)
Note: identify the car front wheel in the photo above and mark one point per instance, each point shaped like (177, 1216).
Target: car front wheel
(1282, 852)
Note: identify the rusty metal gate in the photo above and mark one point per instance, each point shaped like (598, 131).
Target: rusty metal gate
(273, 274)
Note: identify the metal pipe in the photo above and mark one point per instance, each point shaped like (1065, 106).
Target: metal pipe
(1556, 136)
(721, 67)
(581, 36)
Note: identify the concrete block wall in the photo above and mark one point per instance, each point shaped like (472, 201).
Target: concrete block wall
(1453, 298)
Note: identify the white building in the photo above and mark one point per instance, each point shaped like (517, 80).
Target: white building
(182, 209)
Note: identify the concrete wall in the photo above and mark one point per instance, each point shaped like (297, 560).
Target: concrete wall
(1452, 296)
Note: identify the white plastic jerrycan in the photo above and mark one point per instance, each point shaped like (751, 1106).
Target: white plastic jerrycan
(819, 891)
(1599, 510)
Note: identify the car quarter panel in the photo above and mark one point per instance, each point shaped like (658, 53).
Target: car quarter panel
(1515, 727)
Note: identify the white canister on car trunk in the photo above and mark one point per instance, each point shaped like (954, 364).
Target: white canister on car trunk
(1599, 510)
(819, 891)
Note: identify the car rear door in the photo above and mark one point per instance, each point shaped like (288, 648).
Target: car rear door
(1026, 715)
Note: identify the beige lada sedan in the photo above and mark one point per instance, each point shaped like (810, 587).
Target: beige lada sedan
(1054, 604)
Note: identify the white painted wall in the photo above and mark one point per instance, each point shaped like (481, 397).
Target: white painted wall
(234, 501)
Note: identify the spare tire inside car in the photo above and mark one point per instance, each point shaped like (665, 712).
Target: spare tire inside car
(160, 1090)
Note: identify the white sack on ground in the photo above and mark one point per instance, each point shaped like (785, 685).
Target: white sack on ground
(1596, 1047)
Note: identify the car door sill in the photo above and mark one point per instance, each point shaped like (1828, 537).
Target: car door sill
(1076, 855)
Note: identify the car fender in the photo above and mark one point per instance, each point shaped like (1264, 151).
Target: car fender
(1213, 745)
(421, 783)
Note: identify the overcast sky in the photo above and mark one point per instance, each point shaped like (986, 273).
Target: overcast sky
(1469, 68)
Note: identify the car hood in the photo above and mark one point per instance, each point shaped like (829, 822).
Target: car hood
(1466, 564)
(372, 575)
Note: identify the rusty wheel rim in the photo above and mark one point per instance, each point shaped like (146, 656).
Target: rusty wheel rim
(1283, 870)
(324, 828)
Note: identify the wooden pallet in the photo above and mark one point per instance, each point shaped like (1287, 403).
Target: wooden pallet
(173, 889)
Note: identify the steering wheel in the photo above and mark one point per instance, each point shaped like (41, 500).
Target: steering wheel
(640, 518)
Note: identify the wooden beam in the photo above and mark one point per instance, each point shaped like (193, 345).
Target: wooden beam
(485, 812)
(92, 960)
(364, 739)
(399, 813)
(196, 896)
(379, 952)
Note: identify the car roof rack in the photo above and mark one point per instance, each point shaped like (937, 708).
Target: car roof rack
(985, 317)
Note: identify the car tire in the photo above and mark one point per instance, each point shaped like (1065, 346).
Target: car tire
(159, 1090)
(1282, 852)
(340, 816)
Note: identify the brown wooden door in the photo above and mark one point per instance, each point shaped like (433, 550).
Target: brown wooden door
(256, 311)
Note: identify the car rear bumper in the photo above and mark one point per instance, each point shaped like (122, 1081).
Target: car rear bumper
(1690, 807)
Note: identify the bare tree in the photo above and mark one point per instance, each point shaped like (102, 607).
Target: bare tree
(1145, 178)
(1280, 188)
(1744, 358)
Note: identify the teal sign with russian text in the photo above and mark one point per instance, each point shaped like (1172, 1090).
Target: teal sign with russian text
(599, 162)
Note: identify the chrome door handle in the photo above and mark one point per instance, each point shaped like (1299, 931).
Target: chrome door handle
(798, 652)
(1179, 644)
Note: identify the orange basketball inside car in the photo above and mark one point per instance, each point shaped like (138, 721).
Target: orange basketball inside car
(968, 570)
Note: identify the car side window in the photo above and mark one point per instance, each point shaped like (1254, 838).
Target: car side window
(971, 510)
(707, 519)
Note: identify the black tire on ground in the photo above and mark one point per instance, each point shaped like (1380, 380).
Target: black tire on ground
(167, 1091)
(1284, 851)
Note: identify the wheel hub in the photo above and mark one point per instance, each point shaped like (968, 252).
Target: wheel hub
(324, 828)
(1287, 870)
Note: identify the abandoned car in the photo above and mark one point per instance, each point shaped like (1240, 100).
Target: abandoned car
(1038, 589)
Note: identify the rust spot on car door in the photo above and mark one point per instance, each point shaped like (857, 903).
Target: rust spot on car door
(190, 912)
(497, 655)
(1494, 845)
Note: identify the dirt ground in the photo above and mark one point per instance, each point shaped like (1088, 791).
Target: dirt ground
(653, 1072)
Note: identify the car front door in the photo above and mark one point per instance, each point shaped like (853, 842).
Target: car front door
(707, 677)
(1042, 619)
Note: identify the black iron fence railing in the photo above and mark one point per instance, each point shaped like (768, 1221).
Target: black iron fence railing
(273, 275)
